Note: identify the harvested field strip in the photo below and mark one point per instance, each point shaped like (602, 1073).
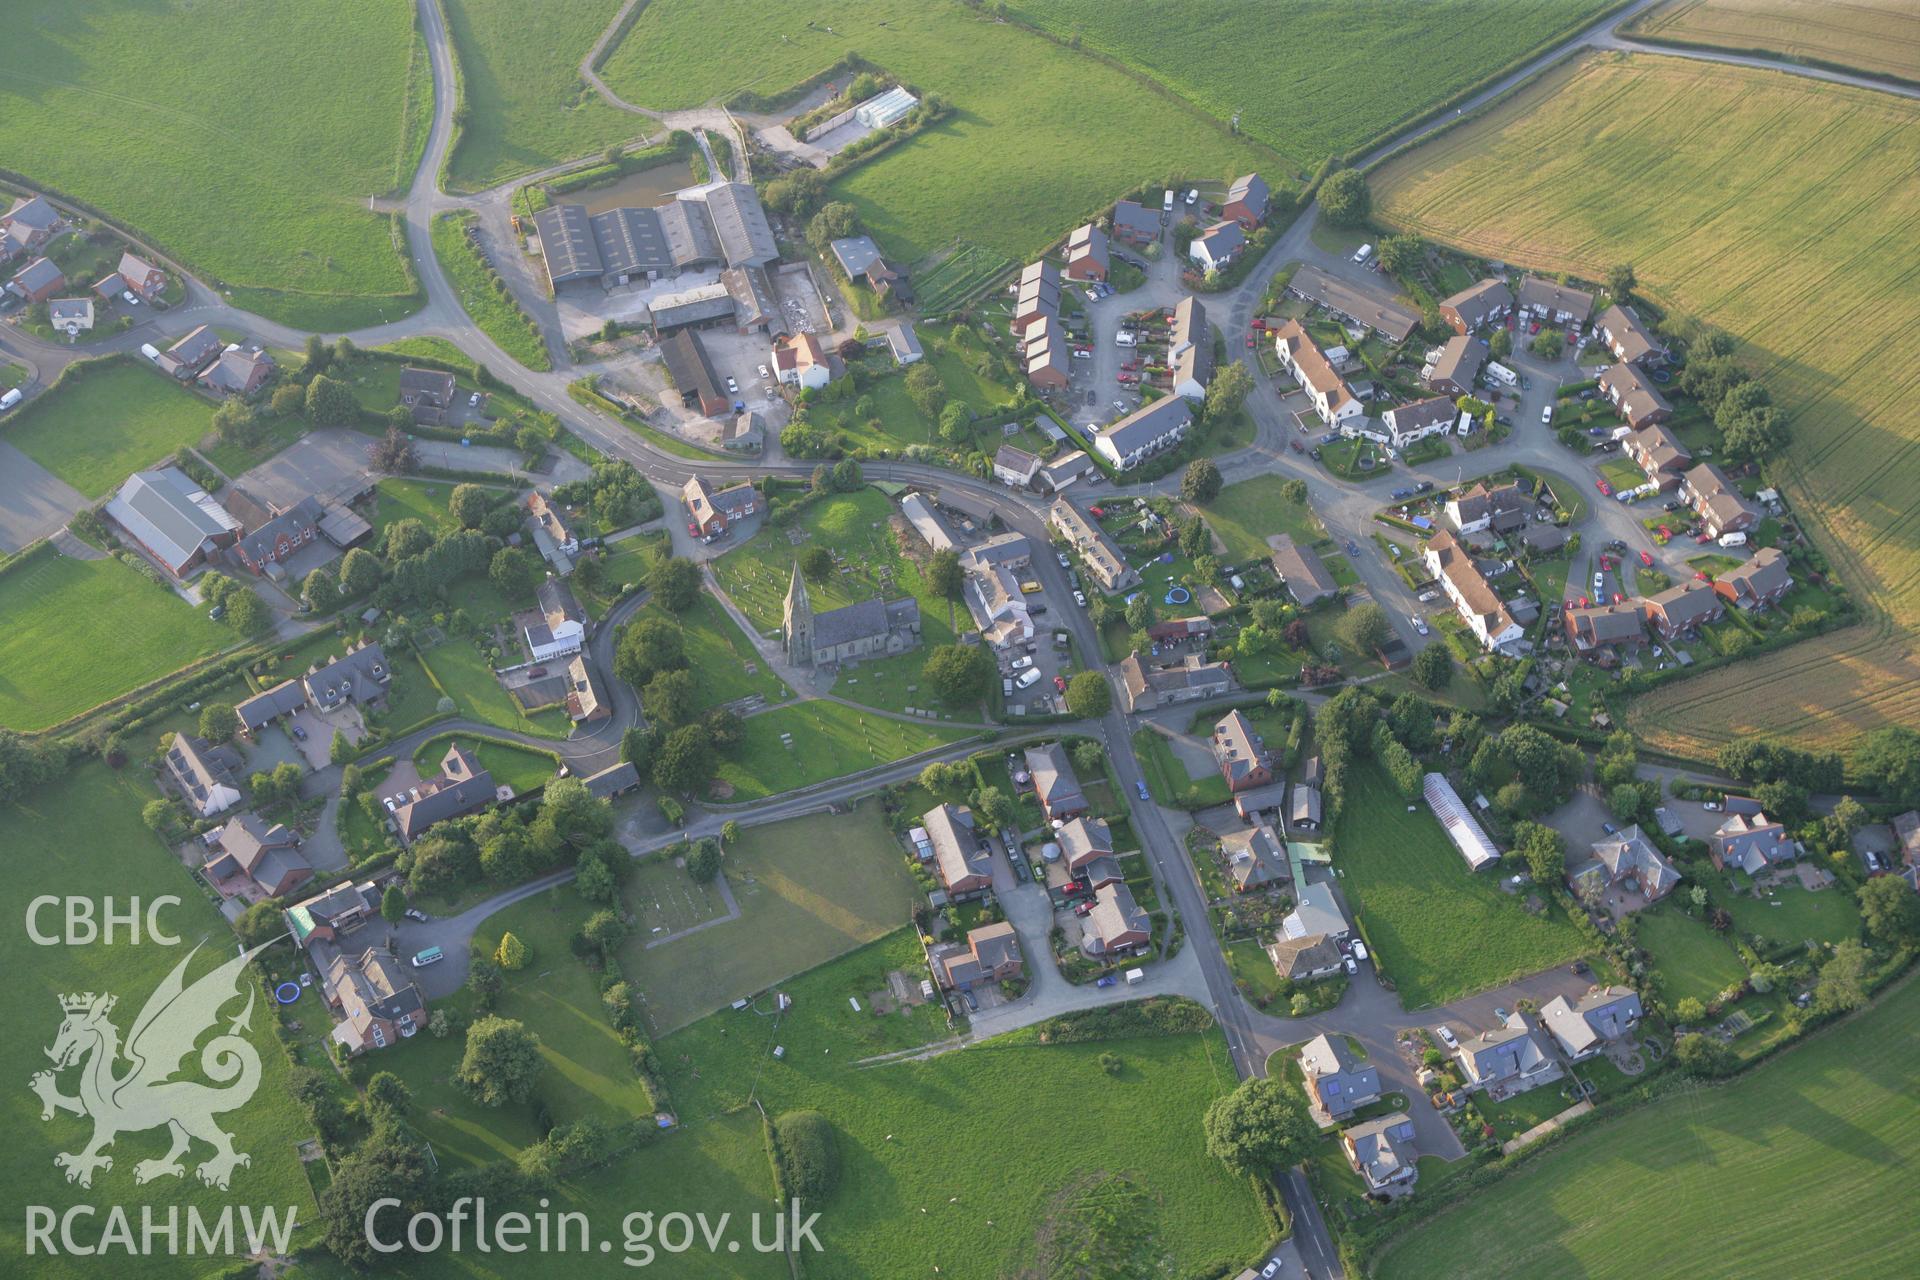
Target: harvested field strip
(1878, 37)
(1779, 209)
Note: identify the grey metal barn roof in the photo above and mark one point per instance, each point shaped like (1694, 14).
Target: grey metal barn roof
(170, 514)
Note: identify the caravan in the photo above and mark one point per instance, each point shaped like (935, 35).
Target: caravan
(1501, 374)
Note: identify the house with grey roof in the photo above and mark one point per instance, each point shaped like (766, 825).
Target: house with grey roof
(239, 371)
(1316, 913)
(1246, 201)
(1215, 248)
(1759, 583)
(254, 860)
(1555, 302)
(29, 226)
(1750, 840)
(1148, 685)
(1256, 858)
(872, 628)
(360, 675)
(1507, 1060)
(1486, 302)
(332, 913)
(961, 858)
(1306, 958)
(1304, 813)
(1382, 1151)
(990, 954)
(1087, 253)
(1629, 861)
(1153, 428)
(1190, 349)
(289, 531)
(1083, 841)
(173, 518)
(38, 281)
(1306, 577)
(1054, 782)
(461, 787)
(377, 1003)
(1628, 337)
(614, 780)
(1585, 1027)
(1339, 1082)
(263, 708)
(903, 344)
(207, 774)
(186, 358)
(1240, 752)
(1135, 224)
(1116, 925)
(70, 315)
(1454, 366)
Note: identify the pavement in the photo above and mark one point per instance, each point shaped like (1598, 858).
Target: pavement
(1368, 1012)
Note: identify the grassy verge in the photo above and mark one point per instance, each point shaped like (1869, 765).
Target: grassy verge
(483, 295)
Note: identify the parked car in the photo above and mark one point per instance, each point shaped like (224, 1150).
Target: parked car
(1711, 806)
(1107, 980)
(1080, 598)
(1061, 556)
(1425, 486)
(1296, 446)
(1083, 908)
(733, 387)
(414, 913)
(1060, 683)
(1419, 623)
(132, 299)
(1428, 597)
(1028, 679)
(1444, 1034)
(1140, 786)
(1606, 490)
(1599, 583)
(1022, 663)
(1546, 414)
(1609, 828)
(298, 732)
(1646, 559)
(388, 801)
(1351, 966)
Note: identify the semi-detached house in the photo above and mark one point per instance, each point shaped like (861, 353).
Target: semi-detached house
(1302, 357)
(1150, 429)
(1478, 603)
(1487, 302)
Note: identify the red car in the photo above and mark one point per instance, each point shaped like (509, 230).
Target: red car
(1606, 563)
(1060, 683)
(1584, 602)
(1296, 446)
(1646, 560)
(1098, 513)
(1534, 327)
(1249, 342)
(1705, 537)
(1084, 909)
(1074, 889)
(1665, 532)
(1606, 490)
(1617, 597)
(1701, 574)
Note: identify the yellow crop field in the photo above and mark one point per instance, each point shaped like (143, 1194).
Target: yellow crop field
(1785, 211)
(1881, 37)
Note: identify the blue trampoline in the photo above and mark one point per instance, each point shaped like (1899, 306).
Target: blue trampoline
(287, 992)
(1178, 595)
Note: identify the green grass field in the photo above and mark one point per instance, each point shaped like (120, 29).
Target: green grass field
(719, 655)
(1354, 70)
(1771, 226)
(528, 107)
(463, 672)
(84, 835)
(1875, 36)
(1689, 959)
(498, 315)
(808, 888)
(109, 421)
(512, 765)
(1793, 914)
(809, 742)
(248, 150)
(1041, 135)
(1438, 930)
(63, 614)
(1809, 1135)
(1246, 514)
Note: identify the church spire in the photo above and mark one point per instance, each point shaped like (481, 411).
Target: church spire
(797, 620)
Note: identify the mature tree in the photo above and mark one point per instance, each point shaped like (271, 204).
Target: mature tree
(1750, 426)
(161, 815)
(847, 476)
(1888, 761)
(512, 954)
(388, 1093)
(469, 504)
(387, 1166)
(1784, 801)
(671, 698)
(1401, 255)
(958, 673)
(319, 355)
(1843, 979)
(1433, 667)
(1139, 612)
(605, 930)
(25, 765)
(1346, 719)
(1542, 763)
(835, 221)
(1345, 200)
(1847, 817)
(1704, 1057)
(926, 390)
(1544, 850)
(1500, 346)
(406, 538)
(1628, 801)
(507, 856)
(956, 423)
(393, 905)
(798, 192)
(1294, 491)
(514, 572)
(1193, 537)
(596, 881)
(1890, 909)
(236, 423)
(247, 613)
(684, 762)
(331, 403)
(1260, 1128)
(1366, 629)
(289, 400)
(359, 572)
(943, 775)
(1689, 1011)
(1089, 696)
(703, 861)
(260, 923)
(675, 583)
(577, 816)
(1708, 379)
(502, 1062)
(1229, 389)
(1621, 281)
(217, 722)
(816, 564)
(1090, 757)
(944, 577)
(320, 591)
(997, 807)
(648, 647)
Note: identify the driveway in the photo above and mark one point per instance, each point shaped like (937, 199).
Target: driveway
(34, 502)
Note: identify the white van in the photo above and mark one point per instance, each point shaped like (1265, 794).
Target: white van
(1364, 252)
(10, 399)
(1028, 678)
(1733, 539)
(1464, 426)
(1126, 338)
(150, 351)
(1166, 205)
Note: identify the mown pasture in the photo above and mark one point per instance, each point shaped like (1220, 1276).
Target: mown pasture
(242, 138)
(1352, 71)
(1041, 137)
(106, 420)
(1809, 1135)
(1878, 37)
(1784, 224)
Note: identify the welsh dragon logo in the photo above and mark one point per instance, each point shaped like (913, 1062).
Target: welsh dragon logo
(146, 1096)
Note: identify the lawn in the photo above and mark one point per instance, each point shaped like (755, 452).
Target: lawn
(462, 670)
(1793, 914)
(1354, 71)
(248, 150)
(497, 314)
(84, 835)
(62, 615)
(725, 665)
(527, 105)
(423, 500)
(107, 420)
(1041, 135)
(1438, 930)
(1798, 183)
(1808, 1134)
(814, 741)
(1689, 959)
(1874, 36)
(512, 765)
(808, 888)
